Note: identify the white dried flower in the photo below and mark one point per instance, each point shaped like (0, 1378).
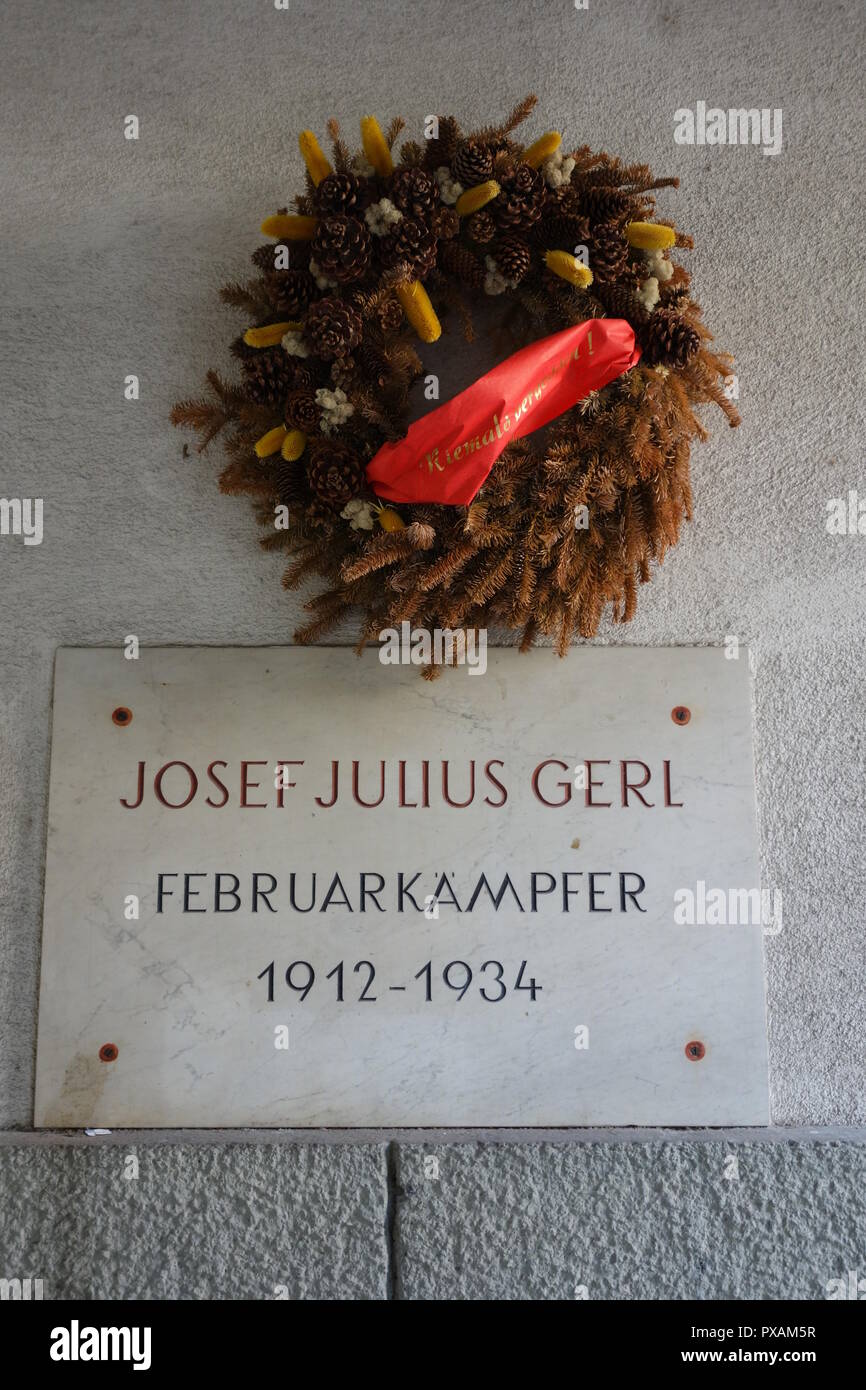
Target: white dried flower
(649, 293)
(362, 167)
(557, 170)
(494, 281)
(359, 514)
(449, 189)
(335, 408)
(293, 343)
(657, 264)
(382, 216)
(321, 280)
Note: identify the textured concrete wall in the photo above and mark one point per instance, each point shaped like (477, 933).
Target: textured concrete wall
(446, 1221)
(113, 252)
(630, 1221)
(196, 1222)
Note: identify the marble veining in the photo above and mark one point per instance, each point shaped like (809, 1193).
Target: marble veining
(248, 856)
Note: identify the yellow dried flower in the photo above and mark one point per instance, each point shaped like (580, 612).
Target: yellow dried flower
(289, 225)
(270, 442)
(270, 334)
(293, 445)
(569, 268)
(542, 149)
(650, 236)
(316, 163)
(389, 520)
(419, 311)
(477, 197)
(376, 146)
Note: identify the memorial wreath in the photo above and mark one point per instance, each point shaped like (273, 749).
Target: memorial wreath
(461, 521)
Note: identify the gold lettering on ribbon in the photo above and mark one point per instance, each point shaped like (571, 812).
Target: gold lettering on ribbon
(431, 459)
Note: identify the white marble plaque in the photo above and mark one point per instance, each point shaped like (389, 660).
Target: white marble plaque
(289, 887)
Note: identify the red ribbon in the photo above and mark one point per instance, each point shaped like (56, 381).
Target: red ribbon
(446, 455)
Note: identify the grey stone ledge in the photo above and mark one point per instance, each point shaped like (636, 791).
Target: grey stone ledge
(771, 1134)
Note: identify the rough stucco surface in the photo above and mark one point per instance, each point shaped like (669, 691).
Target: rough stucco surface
(196, 1223)
(628, 1221)
(113, 253)
(650, 1221)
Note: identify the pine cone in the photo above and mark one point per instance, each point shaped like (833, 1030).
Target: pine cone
(302, 411)
(454, 259)
(441, 150)
(331, 327)
(472, 163)
(341, 248)
(521, 199)
(264, 256)
(444, 223)
(481, 227)
(604, 204)
(291, 483)
(335, 473)
(414, 192)
(290, 291)
(633, 274)
(320, 516)
(608, 252)
(377, 368)
(412, 243)
(675, 297)
(513, 257)
(620, 303)
(389, 315)
(268, 376)
(341, 194)
(668, 340)
(304, 379)
(345, 372)
(560, 232)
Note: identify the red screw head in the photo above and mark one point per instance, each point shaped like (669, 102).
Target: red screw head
(695, 1050)
(121, 716)
(108, 1052)
(681, 714)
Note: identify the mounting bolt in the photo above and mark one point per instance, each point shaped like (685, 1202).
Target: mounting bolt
(121, 716)
(681, 714)
(108, 1052)
(695, 1050)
